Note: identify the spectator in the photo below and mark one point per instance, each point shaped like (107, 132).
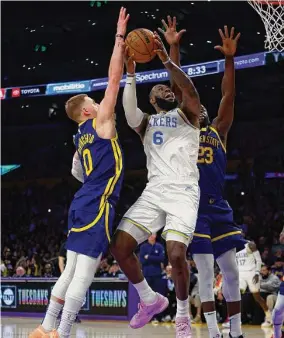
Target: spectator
(47, 271)
(278, 268)
(194, 298)
(114, 271)
(62, 257)
(20, 272)
(104, 268)
(269, 287)
(152, 256)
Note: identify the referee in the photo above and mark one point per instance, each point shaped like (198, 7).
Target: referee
(62, 263)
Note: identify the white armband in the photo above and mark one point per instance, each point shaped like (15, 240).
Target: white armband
(133, 114)
(258, 261)
(77, 169)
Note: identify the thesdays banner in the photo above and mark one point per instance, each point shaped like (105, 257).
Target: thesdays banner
(109, 298)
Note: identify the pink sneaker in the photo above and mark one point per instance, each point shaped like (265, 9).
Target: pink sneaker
(147, 312)
(183, 329)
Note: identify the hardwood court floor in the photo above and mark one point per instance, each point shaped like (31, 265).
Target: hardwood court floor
(20, 328)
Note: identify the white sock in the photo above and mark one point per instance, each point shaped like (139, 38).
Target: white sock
(211, 320)
(182, 308)
(268, 316)
(146, 294)
(236, 325)
(52, 313)
(71, 308)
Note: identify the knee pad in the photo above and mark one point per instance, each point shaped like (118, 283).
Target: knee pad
(205, 267)
(231, 285)
(84, 274)
(61, 286)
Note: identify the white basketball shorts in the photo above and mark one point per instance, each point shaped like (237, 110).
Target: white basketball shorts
(246, 280)
(169, 205)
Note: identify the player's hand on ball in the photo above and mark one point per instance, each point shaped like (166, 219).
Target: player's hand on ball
(255, 279)
(122, 21)
(171, 34)
(130, 64)
(229, 46)
(160, 48)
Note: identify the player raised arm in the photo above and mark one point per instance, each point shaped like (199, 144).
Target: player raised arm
(105, 124)
(77, 169)
(173, 37)
(134, 116)
(225, 116)
(190, 97)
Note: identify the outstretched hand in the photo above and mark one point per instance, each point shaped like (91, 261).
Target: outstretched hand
(171, 34)
(160, 48)
(122, 21)
(130, 64)
(229, 46)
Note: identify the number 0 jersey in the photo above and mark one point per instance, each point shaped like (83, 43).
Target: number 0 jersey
(211, 162)
(102, 164)
(171, 145)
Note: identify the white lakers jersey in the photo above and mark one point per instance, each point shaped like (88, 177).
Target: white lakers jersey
(246, 260)
(171, 145)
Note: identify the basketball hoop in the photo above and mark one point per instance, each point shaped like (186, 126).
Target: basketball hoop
(272, 16)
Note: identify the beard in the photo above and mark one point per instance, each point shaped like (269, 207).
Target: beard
(165, 104)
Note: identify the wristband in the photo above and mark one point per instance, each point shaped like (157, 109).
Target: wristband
(169, 60)
(119, 36)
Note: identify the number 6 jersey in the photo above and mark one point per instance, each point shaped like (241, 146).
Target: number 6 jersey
(171, 145)
(102, 163)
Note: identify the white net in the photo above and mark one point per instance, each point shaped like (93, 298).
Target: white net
(272, 15)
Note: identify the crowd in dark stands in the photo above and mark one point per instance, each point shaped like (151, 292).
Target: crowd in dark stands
(34, 226)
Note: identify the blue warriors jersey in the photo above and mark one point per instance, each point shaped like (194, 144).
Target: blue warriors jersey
(211, 162)
(102, 163)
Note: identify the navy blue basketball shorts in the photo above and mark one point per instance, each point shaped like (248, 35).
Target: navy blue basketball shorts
(90, 233)
(216, 232)
(281, 290)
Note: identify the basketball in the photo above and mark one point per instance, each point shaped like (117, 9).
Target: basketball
(141, 45)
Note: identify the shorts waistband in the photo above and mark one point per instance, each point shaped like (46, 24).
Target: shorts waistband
(172, 179)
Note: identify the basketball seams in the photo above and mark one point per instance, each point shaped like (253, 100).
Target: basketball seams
(141, 36)
(142, 44)
(136, 49)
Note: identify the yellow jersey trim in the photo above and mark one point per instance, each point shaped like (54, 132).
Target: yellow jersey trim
(201, 235)
(94, 123)
(136, 224)
(109, 187)
(219, 138)
(106, 222)
(226, 235)
(176, 233)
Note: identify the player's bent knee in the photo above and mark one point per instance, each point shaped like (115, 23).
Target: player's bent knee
(177, 254)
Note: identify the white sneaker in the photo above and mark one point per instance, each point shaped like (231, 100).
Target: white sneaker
(267, 323)
(226, 325)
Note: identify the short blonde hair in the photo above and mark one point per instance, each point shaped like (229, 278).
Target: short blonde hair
(72, 106)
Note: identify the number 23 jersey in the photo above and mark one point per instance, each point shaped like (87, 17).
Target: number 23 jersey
(171, 145)
(211, 162)
(102, 162)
